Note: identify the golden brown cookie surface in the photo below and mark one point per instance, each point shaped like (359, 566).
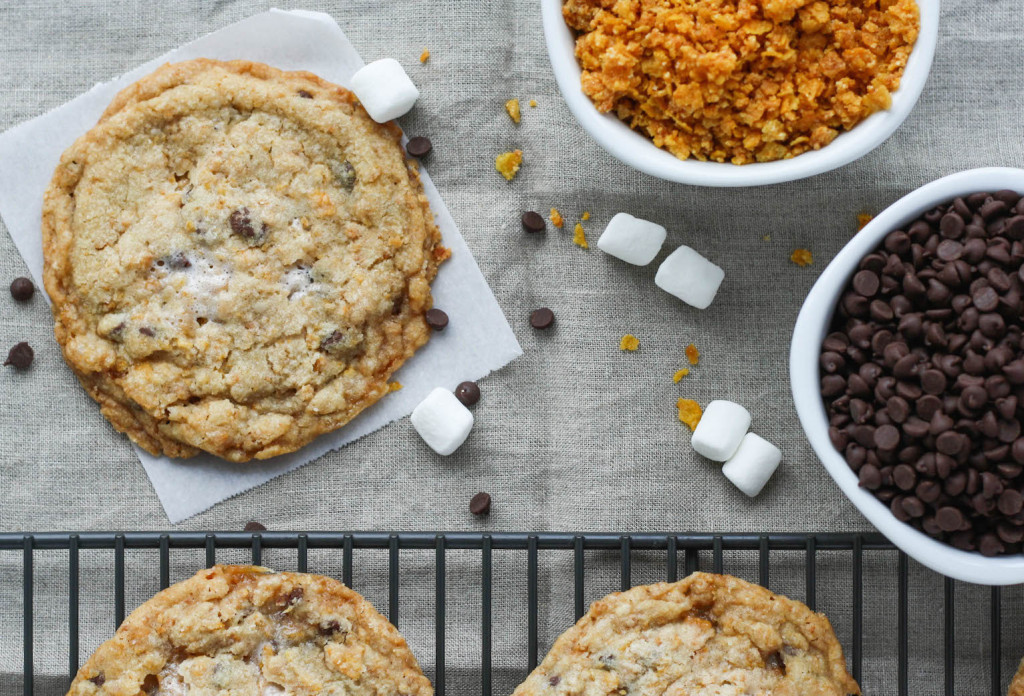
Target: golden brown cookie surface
(246, 630)
(706, 634)
(238, 257)
(1017, 685)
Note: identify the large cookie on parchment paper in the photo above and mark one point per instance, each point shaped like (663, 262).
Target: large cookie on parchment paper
(238, 258)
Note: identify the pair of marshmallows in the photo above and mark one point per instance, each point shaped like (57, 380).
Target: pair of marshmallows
(442, 421)
(384, 89)
(685, 273)
(721, 436)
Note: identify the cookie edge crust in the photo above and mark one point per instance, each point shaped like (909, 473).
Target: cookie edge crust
(128, 644)
(141, 427)
(815, 627)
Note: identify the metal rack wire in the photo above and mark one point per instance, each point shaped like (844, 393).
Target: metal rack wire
(696, 550)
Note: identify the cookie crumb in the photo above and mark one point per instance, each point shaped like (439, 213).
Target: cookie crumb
(863, 219)
(507, 163)
(586, 215)
(579, 238)
(689, 412)
(394, 386)
(556, 218)
(692, 354)
(425, 56)
(442, 253)
(801, 257)
(629, 342)
(533, 103)
(679, 375)
(512, 107)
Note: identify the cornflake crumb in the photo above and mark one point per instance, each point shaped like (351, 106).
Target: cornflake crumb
(579, 238)
(689, 412)
(394, 386)
(767, 238)
(801, 257)
(507, 163)
(556, 218)
(512, 107)
(629, 342)
(442, 253)
(863, 219)
(586, 215)
(425, 56)
(692, 354)
(533, 103)
(679, 375)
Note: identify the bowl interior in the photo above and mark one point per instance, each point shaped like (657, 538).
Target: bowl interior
(811, 327)
(638, 151)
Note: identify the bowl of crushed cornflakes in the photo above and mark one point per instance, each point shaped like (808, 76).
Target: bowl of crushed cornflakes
(740, 93)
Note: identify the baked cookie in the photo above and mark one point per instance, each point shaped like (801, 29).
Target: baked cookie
(1017, 685)
(245, 630)
(706, 634)
(238, 259)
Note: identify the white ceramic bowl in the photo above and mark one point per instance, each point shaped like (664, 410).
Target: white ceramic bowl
(638, 151)
(811, 327)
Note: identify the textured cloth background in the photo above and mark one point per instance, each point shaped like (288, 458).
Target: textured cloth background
(575, 435)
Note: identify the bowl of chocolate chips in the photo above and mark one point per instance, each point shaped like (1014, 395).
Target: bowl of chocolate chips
(907, 370)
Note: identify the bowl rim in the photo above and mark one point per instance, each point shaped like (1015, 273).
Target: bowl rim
(811, 327)
(639, 152)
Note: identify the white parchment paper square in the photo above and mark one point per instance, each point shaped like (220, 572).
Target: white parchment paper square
(477, 341)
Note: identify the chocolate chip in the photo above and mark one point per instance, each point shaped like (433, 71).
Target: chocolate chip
(22, 289)
(468, 393)
(436, 319)
(419, 146)
(866, 283)
(344, 174)
(242, 225)
(554, 681)
(949, 518)
(20, 356)
(254, 527)
(480, 504)
(147, 331)
(99, 680)
(542, 318)
(533, 222)
(304, 94)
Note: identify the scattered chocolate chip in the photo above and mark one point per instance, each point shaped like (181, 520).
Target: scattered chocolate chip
(242, 225)
(554, 681)
(419, 146)
(99, 680)
(345, 174)
(468, 393)
(147, 331)
(480, 504)
(533, 222)
(436, 319)
(775, 662)
(20, 356)
(542, 318)
(22, 289)
(254, 527)
(304, 94)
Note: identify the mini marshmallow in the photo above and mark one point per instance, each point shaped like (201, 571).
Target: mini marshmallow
(690, 277)
(753, 464)
(720, 430)
(384, 90)
(442, 421)
(631, 239)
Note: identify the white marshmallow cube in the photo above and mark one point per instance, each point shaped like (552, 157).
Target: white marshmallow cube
(720, 430)
(384, 90)
(631, 239)
(442, 421)
(690, 277)
(753, 464)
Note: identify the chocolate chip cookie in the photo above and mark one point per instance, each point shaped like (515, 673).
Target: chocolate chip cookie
(1017, 685)
(706, 634)
(238, 259)
(248, 630)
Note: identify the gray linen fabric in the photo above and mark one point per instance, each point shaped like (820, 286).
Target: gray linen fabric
(575, 435)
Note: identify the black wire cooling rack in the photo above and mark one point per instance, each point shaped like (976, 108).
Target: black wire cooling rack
(682, 553)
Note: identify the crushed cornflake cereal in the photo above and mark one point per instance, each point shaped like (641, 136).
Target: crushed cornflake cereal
(767, 238)
(394, 386)
(512, 107)
(533, 103)
(507, 163)
(679, 375)
(425, 56)
(442, 253)
(556, 218)
(692, 354)
(579, 237)
(742, 80)
(801, 257)
(629, 342)
(689, 412)
(863, 219)
(585, 216)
